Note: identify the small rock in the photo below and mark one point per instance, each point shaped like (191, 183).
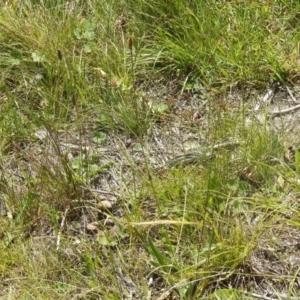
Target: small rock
(105, 204)
(109, 222)
(92, 227)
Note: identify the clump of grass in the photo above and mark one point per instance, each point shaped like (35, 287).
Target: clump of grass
(223, 42)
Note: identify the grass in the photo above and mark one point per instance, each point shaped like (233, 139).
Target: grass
(94, 98)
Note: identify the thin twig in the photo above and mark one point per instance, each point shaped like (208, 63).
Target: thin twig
(291, 95)
(258, 296)
(284, 111)
(62, 224)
